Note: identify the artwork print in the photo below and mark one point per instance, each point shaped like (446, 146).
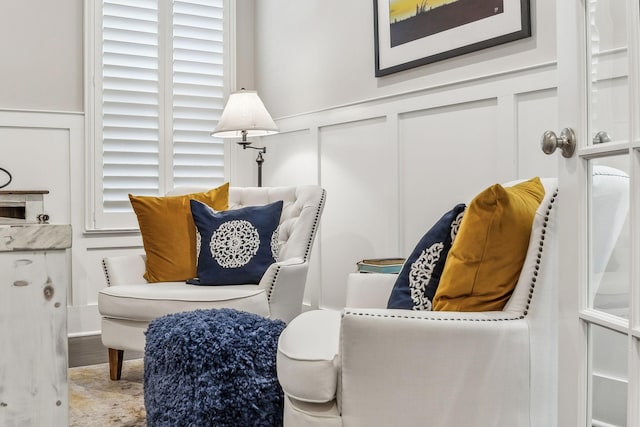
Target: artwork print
(410, 33)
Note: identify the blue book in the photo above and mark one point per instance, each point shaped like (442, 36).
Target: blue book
(381, 265)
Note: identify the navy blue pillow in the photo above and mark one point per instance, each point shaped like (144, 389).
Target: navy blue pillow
(235, 247)
(418, 280)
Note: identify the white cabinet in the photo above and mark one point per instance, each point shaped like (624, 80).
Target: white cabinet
(34, 278)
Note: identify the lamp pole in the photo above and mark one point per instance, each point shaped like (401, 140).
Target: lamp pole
(259, 160)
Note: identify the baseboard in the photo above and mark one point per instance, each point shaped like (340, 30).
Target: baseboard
(88, 350)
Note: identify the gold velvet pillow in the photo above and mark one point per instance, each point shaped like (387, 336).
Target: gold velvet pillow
(169, 233)
(484, 263)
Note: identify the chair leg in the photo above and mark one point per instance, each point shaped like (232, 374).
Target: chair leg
(115, 363)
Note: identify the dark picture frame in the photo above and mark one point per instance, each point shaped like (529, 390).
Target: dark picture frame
(430, 34)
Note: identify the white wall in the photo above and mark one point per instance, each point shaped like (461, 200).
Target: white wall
(41, 45)
(394, 153)
(320, 54)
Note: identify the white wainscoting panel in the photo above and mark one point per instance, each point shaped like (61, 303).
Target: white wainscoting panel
(537, 112)
(291, 159)
(38, 159)
(89, 277)
(447, 154)
(46, 151)
(393, 165)
(358, 170)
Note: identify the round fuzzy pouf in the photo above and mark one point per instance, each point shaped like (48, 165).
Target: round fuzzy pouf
(212, 368)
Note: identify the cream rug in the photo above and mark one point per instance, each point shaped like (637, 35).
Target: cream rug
(95, 400)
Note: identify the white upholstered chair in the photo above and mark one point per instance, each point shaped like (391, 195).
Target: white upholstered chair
(129, 303)
(371, 366)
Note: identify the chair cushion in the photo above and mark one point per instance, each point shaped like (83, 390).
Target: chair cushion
(145, 302)
(168, 232)
(485, 260)
(235, 246)
(418, 280)
(307, 356)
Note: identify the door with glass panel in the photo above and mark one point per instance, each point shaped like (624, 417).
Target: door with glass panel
(599, 327)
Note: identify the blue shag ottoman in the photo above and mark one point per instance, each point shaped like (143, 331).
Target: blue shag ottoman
(212, 368)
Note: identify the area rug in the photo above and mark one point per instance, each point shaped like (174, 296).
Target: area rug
(95, 400)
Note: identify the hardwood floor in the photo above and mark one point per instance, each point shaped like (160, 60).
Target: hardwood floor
(88, 350)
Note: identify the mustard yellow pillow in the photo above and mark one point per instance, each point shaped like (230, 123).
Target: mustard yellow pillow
(485, 260)
(169, 233)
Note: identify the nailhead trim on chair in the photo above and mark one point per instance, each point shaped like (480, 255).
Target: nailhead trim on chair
(540, 249)
(316, 221)
(399, 316)
(106, 273)
(273, 281)
(516, 317)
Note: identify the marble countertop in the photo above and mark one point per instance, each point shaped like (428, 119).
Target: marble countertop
(34, 236)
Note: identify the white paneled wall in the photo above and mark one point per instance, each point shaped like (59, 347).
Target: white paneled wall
(357, 168)
(446, 153)
(393, 165)
(533, 115)
(46, 151)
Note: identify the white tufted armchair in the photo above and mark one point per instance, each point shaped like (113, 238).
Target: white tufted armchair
(129, 303)
(371, 366)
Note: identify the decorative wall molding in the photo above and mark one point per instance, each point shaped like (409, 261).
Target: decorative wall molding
(378, 159)
(457, 136)
(475, 80)
(58, 138)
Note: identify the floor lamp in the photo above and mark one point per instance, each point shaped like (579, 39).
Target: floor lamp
(244, 116)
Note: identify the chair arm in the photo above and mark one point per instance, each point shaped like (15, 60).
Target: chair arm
(124, 269)
(369, 290)
(284, 283)
(307, 356)
(446, 361)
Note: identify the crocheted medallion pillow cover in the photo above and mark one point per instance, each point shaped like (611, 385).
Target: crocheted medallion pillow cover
(235, 247)
(418, 280)
(212, 367)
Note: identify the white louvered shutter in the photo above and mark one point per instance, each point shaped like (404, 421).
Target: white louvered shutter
(198, 91)
(159, 92)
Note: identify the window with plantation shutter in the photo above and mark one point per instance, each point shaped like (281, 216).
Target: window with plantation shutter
(158, 93)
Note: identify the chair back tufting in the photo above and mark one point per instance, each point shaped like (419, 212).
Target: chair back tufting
(300, 214)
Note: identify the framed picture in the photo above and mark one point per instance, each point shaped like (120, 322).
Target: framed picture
(410, 33)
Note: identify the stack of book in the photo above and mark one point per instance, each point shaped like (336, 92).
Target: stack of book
(380, 265)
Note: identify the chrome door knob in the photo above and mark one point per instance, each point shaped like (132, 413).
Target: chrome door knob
(566, 142)
(601, 137)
